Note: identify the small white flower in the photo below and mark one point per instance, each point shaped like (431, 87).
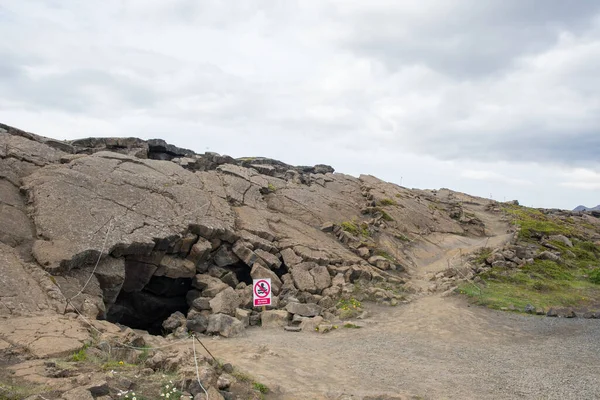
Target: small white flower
(162, 395)
(174, 390)
(167, 395)
(133, 398)
(133, 394)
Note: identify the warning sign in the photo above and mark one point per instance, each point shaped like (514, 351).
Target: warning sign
(262, 292)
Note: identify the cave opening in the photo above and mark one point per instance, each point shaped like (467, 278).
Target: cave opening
(148, 308)
(241, 271)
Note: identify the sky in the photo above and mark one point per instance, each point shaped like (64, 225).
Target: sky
(495, 98)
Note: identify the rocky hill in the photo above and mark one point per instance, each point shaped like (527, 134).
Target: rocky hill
(151, 237)
(584, 208)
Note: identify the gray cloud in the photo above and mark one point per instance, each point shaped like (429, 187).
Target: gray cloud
(463, 82)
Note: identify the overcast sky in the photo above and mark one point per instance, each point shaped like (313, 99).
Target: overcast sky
(495, 98)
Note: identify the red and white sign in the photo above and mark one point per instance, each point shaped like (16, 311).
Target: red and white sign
(262, 292)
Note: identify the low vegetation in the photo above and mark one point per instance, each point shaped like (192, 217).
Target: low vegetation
(571, 281)
(387, 202)
(355, 228)
(533, 223)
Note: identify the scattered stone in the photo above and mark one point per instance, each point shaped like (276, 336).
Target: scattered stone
(563, 239)
(546, 255)
(292, 328)
(176, 320)
(244, 252)
(197, 323)
(274, 318)
(310, 324)
(271, 260)
(304, 310)
(529, 309)
(224, 325)
(225, 302)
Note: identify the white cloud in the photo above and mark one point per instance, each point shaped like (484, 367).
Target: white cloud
(501, 96)
(492, 176)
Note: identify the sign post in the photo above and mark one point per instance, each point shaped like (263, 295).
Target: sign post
(261, 289)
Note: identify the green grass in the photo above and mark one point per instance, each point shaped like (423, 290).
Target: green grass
(80, 355)
(595, 276)
(542, 284)
(271, 187)
(385, 255)
(535, 223)
(482, 255)
(351, 326)
(354, 228)
(387, 202)
(385, 216)
(261, 387)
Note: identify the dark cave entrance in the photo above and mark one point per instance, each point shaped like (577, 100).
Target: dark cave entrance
(148, 308)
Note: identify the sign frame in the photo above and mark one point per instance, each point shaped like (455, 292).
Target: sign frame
(261, 295)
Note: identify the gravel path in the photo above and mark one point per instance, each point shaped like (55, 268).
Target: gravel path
(433, 348)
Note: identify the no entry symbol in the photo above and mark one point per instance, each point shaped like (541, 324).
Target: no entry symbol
(262, 292)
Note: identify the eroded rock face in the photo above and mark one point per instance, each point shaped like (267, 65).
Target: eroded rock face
(165, 230)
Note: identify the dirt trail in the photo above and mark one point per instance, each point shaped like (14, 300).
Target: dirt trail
(433, 348)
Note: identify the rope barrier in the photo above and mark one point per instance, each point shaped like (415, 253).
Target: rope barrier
(196, 363)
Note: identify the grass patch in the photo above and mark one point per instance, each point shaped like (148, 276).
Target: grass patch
(351, 326)
(271, 187)
(18, 392)
(534, 223)
(482, 255)
(595, 276)
(356, 229)
(385, 255)
(261, 387)
(542, 284)
(387, 202)
(246, 378)
(80, 355)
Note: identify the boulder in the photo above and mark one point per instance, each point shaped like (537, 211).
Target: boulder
(290, 258)
(260, 271)
(225, 302)
(271, 260)
(200, 251)
(225, 256)
(546, 255)
(244, 252)
(311, 324)
(303, 279)
(304, 310)
(173, 267)
(201, 303)
(380, 262)
(197, 323)
(209, 285)
(224, 325)
(274, 318)
(321, 277)
(243, 316)
(176, 320)
(562, 239)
